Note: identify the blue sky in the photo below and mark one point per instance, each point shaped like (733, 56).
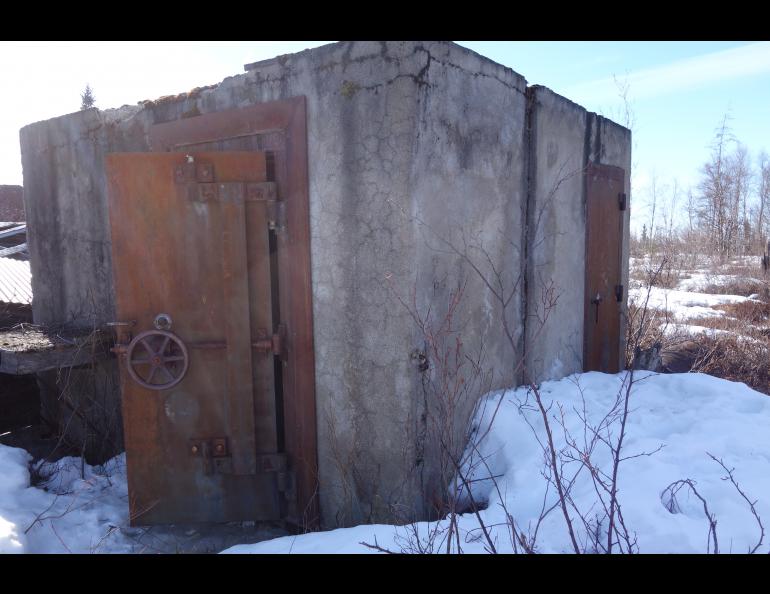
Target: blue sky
(679, 91)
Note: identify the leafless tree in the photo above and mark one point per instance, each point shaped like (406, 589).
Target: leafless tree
(763, 195)
(715, 204)
(652, 203)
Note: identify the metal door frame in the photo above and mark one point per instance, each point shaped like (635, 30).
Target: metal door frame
(283, 126)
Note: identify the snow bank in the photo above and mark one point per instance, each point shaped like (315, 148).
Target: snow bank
(72, 514)
(687, 414)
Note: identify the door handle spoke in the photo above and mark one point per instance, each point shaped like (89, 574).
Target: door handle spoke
(146, 345)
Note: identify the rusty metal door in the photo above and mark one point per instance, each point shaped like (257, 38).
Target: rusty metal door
(604, 293)
(279, 129)
(196, 338)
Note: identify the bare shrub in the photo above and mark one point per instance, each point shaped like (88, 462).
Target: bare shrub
(646, 327)
(735, 358)
(738, 286)
(748, 312)
(669, 499)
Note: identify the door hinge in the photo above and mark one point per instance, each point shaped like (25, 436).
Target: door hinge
(275, 344)
(622, 201)
(619, 293)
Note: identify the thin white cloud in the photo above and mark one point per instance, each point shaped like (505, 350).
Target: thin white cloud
(716, 67)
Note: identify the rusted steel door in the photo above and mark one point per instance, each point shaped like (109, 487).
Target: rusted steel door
(197, 341)
(279, 128)
(604, 293)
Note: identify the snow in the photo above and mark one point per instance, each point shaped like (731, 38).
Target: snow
(699, 280)
(683, 304)
(67, 513)
(687, 414)
(695, 331)
(74, 514)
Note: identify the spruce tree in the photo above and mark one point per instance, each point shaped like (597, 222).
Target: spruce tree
(87, 98)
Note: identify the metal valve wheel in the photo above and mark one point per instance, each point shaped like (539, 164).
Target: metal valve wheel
(157, 359)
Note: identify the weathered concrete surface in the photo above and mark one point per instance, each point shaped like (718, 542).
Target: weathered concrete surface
(68, 231)
(565, 137)
(410, 146)
(556, 245)
(418, 173)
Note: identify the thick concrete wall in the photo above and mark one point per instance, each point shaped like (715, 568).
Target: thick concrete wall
(564, 138)
(419, 168)
(556, 245)
(68, 231)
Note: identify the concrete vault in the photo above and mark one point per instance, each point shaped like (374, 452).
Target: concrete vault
(440, 188)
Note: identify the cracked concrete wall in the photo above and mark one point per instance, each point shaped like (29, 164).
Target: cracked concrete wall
(565, 137)
(418, 172)
(556, 219)
(68, 232)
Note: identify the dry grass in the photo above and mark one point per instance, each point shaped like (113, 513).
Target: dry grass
(739, 286)
(739, 351)
(668, 278)
(736, 359)
(750, 313)
(646, 330)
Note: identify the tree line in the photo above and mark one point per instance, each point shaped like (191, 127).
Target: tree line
(725, 215)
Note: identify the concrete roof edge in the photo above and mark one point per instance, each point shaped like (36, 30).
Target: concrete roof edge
(561, 98)
(329, 47)
(520, 78)
(612, 123)
(122, 113)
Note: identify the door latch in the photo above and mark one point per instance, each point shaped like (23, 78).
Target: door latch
(597, 301)
(215, 454)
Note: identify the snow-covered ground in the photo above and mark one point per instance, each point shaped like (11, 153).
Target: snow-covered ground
(70, 514)
(694, 309)
(688, 414)
(687, 300)
(73, 515)
(682, 304)
(700, 279)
